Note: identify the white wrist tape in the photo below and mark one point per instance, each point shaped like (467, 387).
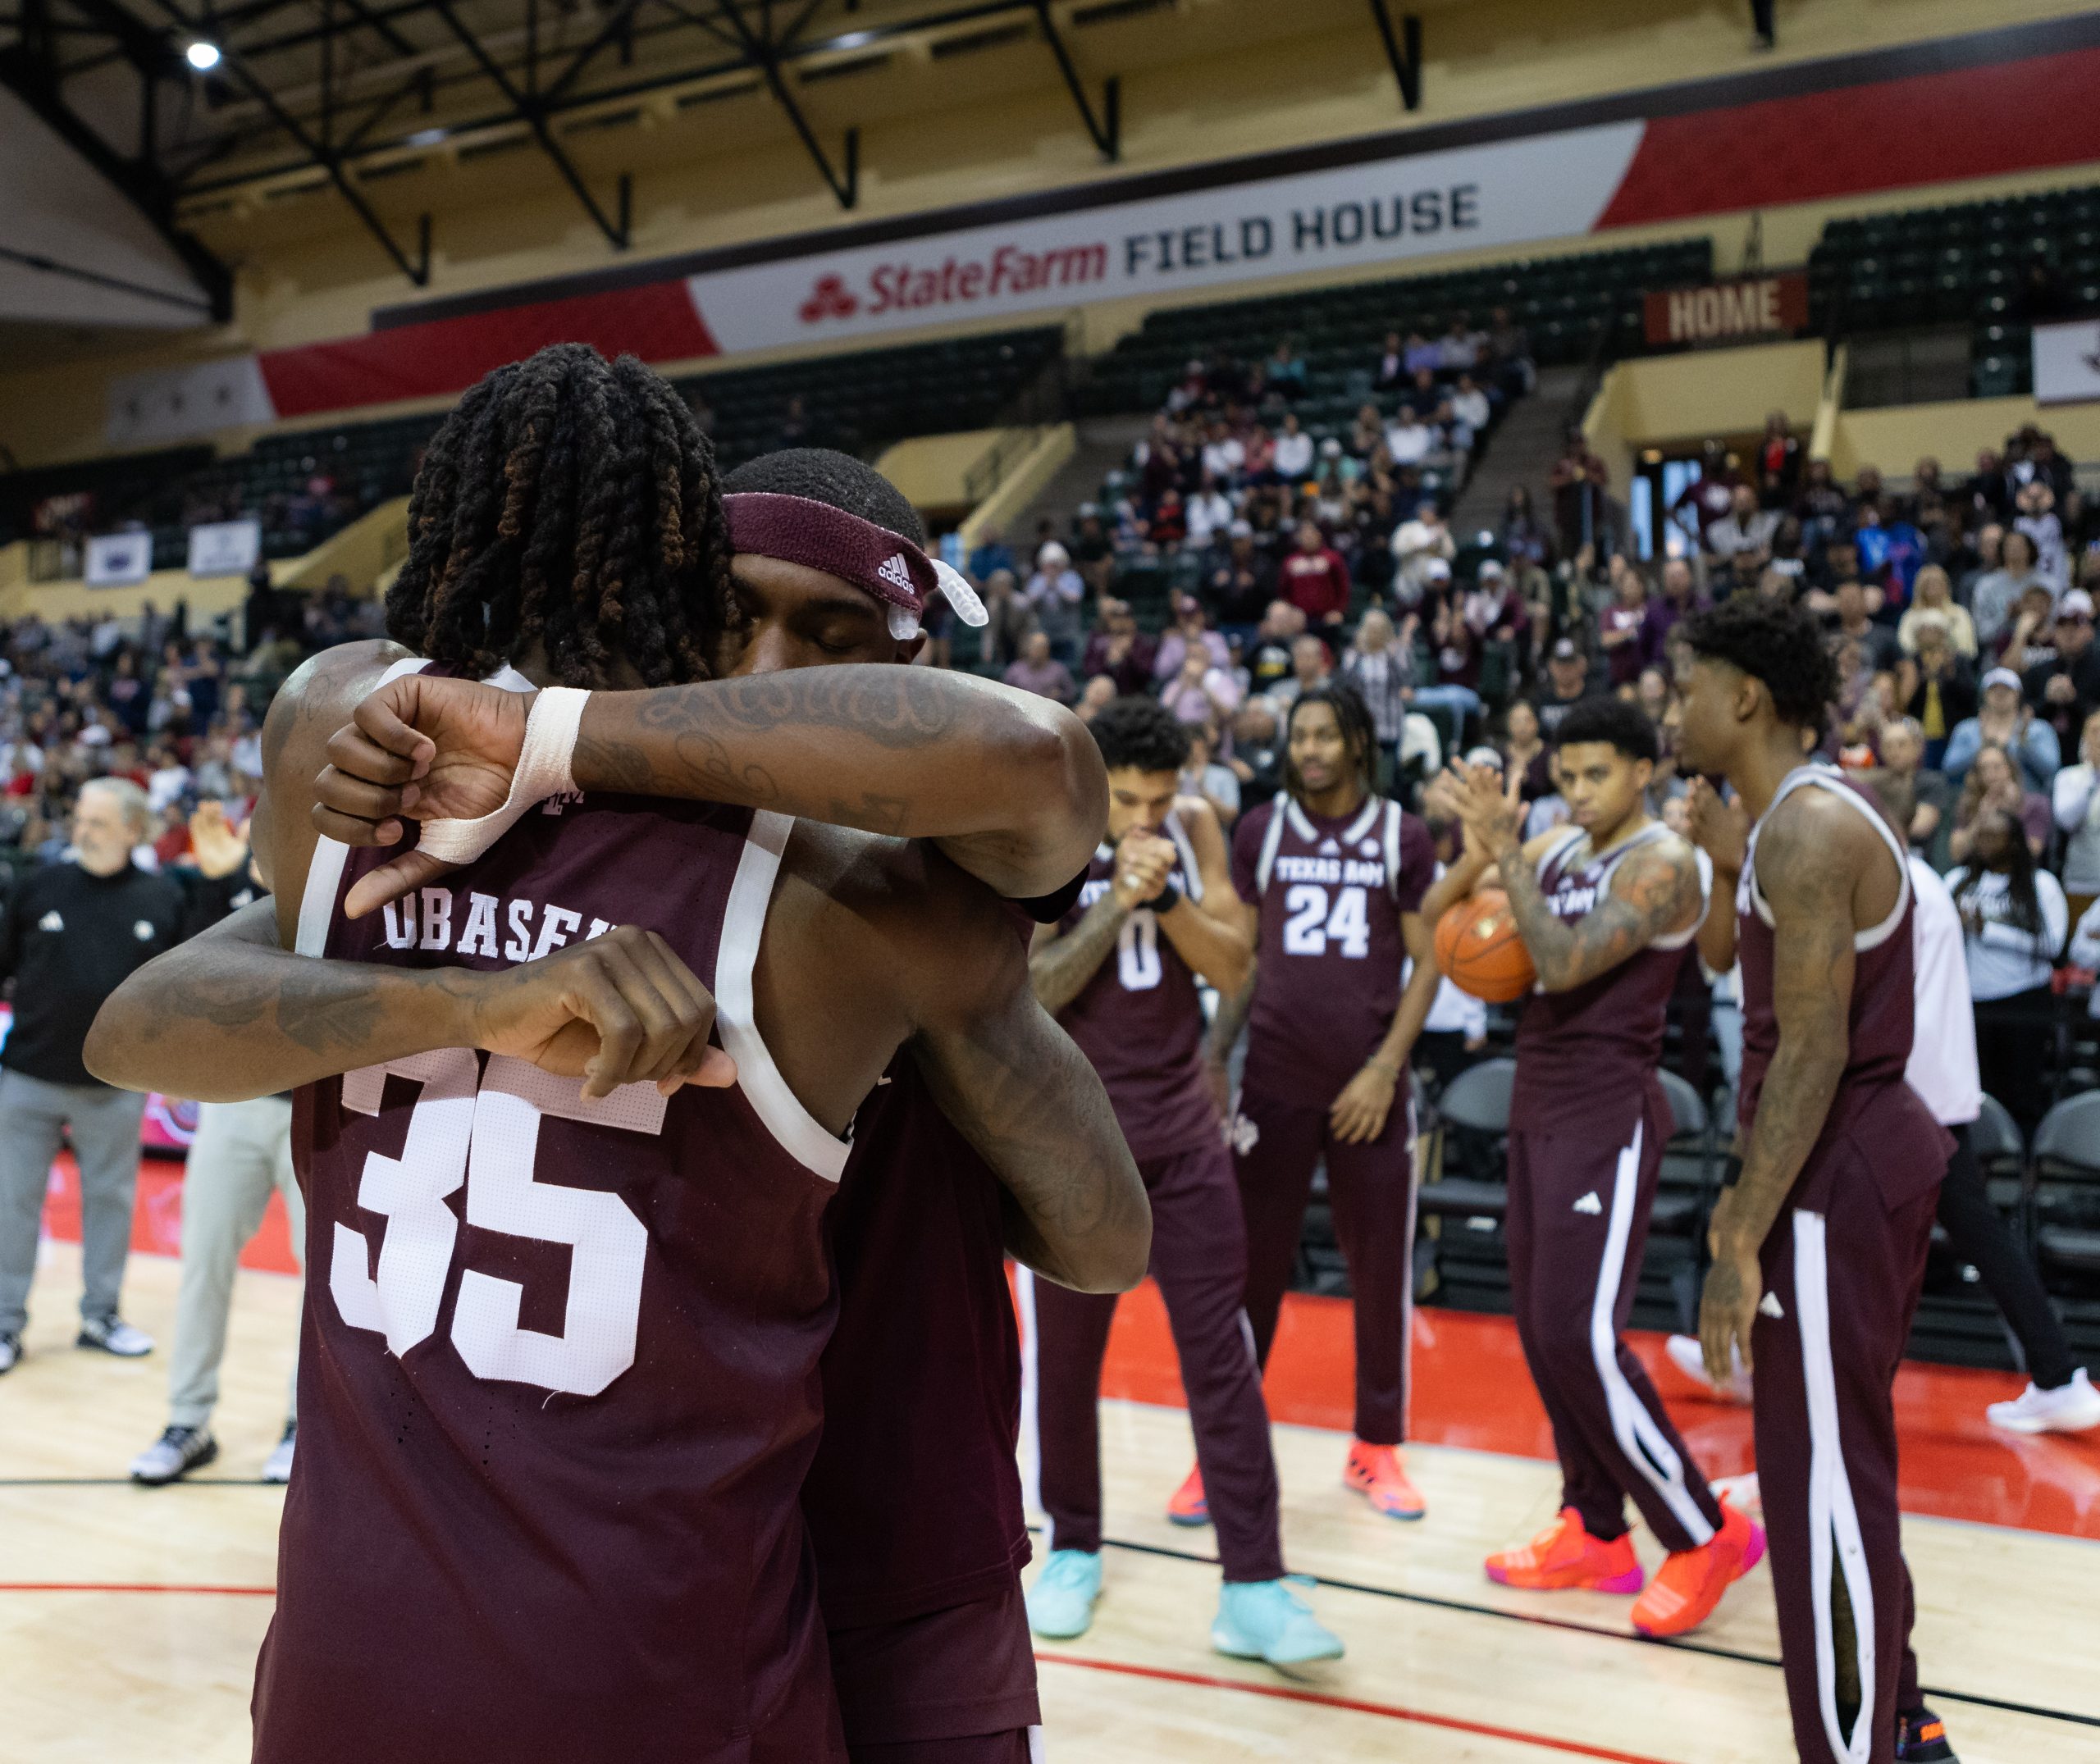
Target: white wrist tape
(542, 770)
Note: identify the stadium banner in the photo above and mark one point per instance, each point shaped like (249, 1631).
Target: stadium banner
(1476, 186)
(1765, 306)
(1509, 193)
(2067, 362)
(225, 548)
(115, 560)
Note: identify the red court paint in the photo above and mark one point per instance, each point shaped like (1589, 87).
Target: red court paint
(1355, 1705)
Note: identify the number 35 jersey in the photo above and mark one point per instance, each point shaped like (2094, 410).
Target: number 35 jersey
(1140, 1020)
(558, 1377)
(1328, 980)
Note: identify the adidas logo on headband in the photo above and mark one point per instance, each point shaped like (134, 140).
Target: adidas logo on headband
(895, 570)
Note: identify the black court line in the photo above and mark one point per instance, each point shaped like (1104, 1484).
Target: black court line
(1707, 1648)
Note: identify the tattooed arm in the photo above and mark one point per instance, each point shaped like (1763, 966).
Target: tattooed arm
(1009, 785)
(1812, 858)
(1223, 1035)
(1060, 965)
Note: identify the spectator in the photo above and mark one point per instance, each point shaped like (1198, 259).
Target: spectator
(1998, 592)
(1392, 367)
(2004, 721)
(1416, 544)
(1409, 439)
(2061, 678)
(1309, 668)
(1202, 691)
(1878, 647)
(1568, 684)
(1579, 481)
(1207, 777)
(1380, 666)
(72, 932)
(1902, 754)
(1207, 513)
(1054, 595)
(1943, 686)
(1314, 578)
(2014, 918)
(1009, 619)
(991, 552)
(1470, 405)
(1993, 782)
(1746, 527)
(1931, 593)
(1524, 538)
(1525, 755)
(1095, 695)
(1509, 352)
(2075, 800)
(1270, 659)
(1257, 753)
(1118, 649)
(1037, 671)
(1291, 459)
(1190, 630)
(1093, 552)
(1620, 624)
(1778, 462)
(1240, 584)
(2036, 502)
(1679, 600)
(1420, 356)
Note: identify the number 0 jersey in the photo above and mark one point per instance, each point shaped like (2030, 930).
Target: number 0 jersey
(1140, 1020)
(1327, 982)
(558, 1377)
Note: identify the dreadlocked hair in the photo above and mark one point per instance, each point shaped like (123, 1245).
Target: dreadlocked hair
(572, 504)
(1359, 735)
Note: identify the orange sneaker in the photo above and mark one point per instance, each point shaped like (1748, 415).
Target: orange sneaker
(1564, 1555)
(1189, 1505)
(1376, 1472)
(1690, 1583)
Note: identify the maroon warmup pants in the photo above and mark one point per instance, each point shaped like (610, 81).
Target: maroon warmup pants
(1840, 1288)
(953, 1686)
(1577, 1224)
(1371, 1187)
(1199, 1259)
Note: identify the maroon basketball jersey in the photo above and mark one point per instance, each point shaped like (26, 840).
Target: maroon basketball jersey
(1586, 1058)
(1875, 1117)
(1140, 1020)
(1331, 892)
(558, 1379)
(914, 1500)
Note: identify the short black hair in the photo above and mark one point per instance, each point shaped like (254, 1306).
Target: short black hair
(1781, 645)
(1359, 735)
(1617, 721)
(824, 475)
(1140, 733)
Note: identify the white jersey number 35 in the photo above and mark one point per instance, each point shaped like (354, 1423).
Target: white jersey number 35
(488, 1136)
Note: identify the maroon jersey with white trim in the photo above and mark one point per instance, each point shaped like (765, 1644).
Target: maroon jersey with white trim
(1140, 1020)
(1330, 893)
(1880, 1121)
(559, 1368)
(1587, 1057)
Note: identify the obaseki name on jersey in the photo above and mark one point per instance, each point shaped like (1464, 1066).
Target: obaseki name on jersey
(428, 919)
(1345, 870)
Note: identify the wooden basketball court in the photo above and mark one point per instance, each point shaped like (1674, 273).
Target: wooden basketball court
(129, 1617)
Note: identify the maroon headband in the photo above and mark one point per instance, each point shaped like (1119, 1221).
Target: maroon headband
(798, 530)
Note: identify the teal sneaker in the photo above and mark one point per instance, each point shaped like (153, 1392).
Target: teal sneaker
(1264, 1619)
(1061, 1603)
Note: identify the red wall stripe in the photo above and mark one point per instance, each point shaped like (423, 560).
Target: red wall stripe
(1971, 123)
(657, 321)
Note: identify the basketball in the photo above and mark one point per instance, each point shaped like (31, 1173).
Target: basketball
(1479, 949)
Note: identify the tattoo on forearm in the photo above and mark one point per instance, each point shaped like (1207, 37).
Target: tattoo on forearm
(1231, 1017)
(1649, 894)
(1060, 970)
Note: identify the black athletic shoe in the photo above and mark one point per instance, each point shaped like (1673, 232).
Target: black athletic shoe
(173, 1456)
(1921, 1739)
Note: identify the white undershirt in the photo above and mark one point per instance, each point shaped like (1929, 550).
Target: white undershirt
(1943, 1067)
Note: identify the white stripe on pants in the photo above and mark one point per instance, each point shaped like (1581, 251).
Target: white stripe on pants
(244, 1150)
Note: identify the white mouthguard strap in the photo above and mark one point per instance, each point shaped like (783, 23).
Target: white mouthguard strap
(543, 771)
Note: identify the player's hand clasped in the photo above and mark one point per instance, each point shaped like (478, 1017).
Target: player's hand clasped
(423, 748)
(1144, 862)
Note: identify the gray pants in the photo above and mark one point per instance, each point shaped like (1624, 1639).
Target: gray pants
(244, 1150)
(105, 1132)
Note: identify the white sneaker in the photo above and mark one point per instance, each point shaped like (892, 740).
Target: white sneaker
(2070, 1408)
(11, 1351)
(113, 1335)
(277, 1467)
(1689, 1357)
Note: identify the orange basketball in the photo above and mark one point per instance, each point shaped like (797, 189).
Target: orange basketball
(1480, 950)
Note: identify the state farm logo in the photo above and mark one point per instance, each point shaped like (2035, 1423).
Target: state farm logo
(830, 298)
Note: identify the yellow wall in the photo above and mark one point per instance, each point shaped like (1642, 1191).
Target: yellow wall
(1665, 399)
(1896, 438)
(930, 469)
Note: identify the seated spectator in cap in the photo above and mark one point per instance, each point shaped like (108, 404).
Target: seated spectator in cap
(1291, 457)
(1310, 667)
(1496, 612)
(1053, 593)
(1202, 690)
(1417, 543)
(1566, 685)
(1191, 630)
(1040, 673)
(1996, 597)
(1902, 753)
(2075, 802)
(2059, 678)
(2004, 720)
(1118, 649)
(1932, 592)
(1097, 692)
(1205, 775)
(1409, 439)
(1313, 577)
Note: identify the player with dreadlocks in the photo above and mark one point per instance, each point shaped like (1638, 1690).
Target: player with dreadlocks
(555, 1428)
(1333, 874)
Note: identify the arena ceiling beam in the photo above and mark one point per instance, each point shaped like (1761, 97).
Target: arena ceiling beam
(763, 48)
(1403, 51)
(1108, 131)
(32, 68)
